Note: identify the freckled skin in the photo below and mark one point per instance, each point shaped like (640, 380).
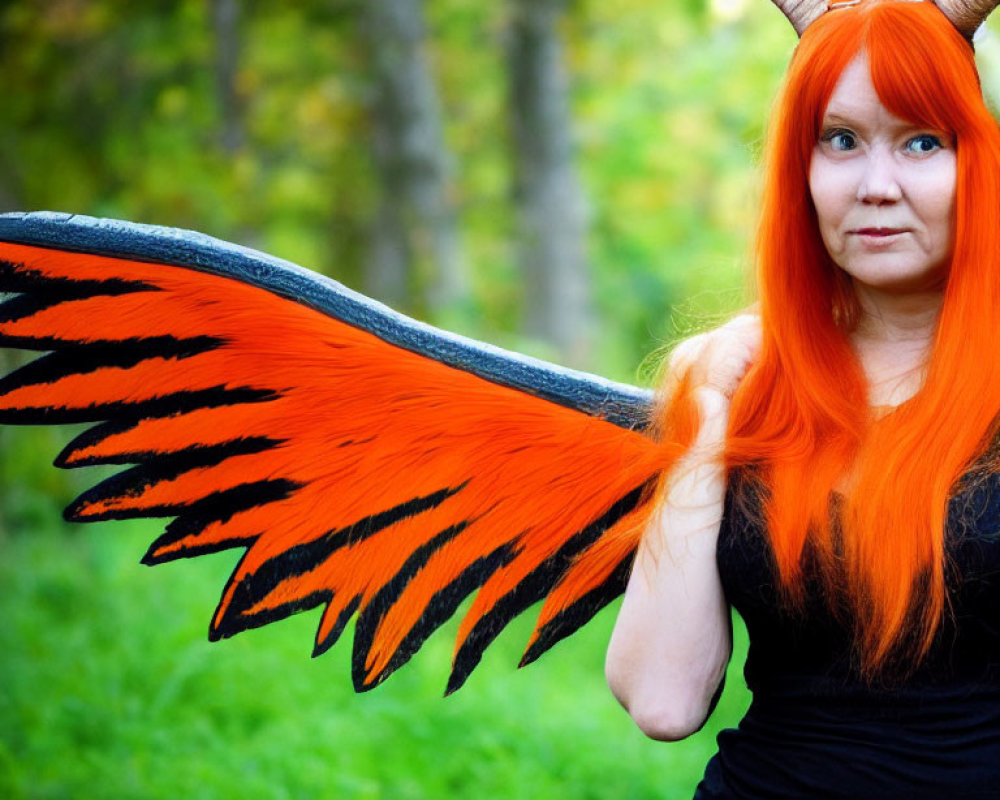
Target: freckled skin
(884, 190)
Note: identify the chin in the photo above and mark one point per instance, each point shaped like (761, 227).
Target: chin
(905, 278)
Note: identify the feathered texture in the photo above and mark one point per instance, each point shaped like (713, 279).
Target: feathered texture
(358, 476)
(801, 414)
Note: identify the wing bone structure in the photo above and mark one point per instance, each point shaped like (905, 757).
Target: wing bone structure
(365, 462)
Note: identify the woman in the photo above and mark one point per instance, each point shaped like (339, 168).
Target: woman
(841, 492)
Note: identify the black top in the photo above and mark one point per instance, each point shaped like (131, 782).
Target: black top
(815, 729)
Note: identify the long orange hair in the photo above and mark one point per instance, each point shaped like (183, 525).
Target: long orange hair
(801, 416)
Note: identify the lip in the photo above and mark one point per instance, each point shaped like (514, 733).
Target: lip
(879, 233)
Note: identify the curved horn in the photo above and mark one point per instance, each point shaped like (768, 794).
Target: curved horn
(965, 15)
(801, 12)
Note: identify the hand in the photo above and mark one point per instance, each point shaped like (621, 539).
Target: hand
(718, 359)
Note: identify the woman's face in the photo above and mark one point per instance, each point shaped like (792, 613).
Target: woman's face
(884, 190)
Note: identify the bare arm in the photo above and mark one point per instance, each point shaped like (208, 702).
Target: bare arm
(672, 641)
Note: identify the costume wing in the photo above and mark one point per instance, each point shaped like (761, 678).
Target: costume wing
(365, 462)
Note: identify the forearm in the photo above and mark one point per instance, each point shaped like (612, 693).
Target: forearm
(672, 639)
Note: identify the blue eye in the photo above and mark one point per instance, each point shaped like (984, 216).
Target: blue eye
(839, 139)
(924, 143)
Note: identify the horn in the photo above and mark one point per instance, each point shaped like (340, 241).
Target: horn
(801, 12)
(965, 15)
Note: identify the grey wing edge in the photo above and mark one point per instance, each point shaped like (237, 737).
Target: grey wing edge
(624, 405)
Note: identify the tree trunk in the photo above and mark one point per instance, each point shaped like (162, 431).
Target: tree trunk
(414, 232)
(8, 200)
(226, 22)
(551, 211)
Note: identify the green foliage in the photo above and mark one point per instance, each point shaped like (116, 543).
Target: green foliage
(108, 688)
(113, 109)
(671, 112)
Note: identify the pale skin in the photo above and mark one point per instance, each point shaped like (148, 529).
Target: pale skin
(883, 190)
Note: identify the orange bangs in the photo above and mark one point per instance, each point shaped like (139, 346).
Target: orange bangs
(801, 415)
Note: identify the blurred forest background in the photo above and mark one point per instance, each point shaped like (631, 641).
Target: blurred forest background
(570, 178)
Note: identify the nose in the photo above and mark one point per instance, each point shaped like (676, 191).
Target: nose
(878, 184)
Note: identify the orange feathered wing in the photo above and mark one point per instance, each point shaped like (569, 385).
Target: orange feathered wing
(358, 475)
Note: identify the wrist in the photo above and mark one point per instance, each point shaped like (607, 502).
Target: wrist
(713, 413)
(712, 404)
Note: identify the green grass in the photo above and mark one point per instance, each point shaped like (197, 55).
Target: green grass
(109, 688)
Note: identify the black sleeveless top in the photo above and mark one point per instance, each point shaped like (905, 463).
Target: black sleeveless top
(815, 729)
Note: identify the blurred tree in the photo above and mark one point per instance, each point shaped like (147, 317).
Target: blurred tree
(226, 22)
(414, 223)
(549, 198)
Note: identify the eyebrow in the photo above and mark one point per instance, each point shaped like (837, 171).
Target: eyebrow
(834, 118)
(837, 118)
